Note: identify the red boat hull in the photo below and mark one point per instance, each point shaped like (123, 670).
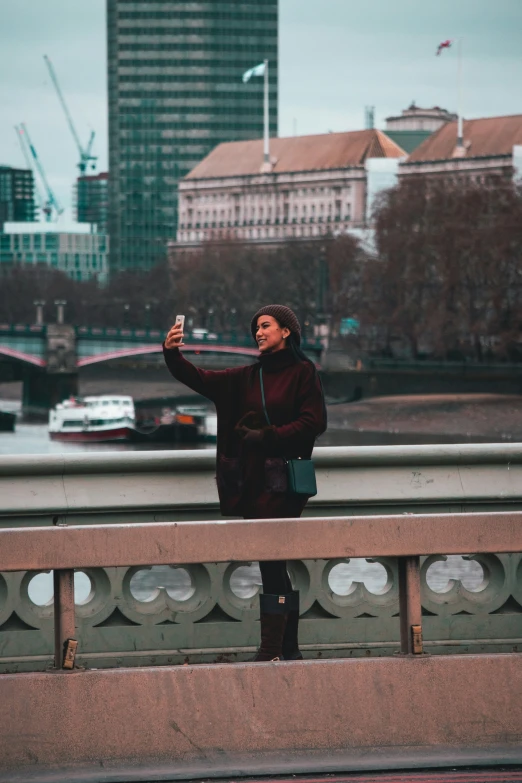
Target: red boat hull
(104, 436)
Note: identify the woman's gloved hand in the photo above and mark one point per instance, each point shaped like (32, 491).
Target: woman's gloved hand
(253, 431)
(252, 438)
(250, 421)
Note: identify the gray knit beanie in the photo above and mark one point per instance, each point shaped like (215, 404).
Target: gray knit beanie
(283, 315)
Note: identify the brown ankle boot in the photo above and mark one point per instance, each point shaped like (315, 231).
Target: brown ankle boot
(273, 615)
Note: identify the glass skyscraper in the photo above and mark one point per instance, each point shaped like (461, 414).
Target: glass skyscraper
(176, 91)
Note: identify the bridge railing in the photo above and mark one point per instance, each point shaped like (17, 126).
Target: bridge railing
(22, 329)
(136, 614)
(405, 537)
(204, 336)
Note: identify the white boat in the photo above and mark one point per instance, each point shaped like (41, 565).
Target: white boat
(96, 419)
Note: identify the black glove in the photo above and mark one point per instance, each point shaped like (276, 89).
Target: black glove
(252, 438)
(250, 421)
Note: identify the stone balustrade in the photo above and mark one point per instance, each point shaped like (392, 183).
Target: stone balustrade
(135, 617)
(138, 615)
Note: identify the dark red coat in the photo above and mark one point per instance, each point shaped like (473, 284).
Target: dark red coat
(250, 476)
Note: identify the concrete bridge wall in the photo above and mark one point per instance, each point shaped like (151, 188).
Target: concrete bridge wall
(179, 723)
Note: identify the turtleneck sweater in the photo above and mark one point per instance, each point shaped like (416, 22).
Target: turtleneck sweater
(294, 402)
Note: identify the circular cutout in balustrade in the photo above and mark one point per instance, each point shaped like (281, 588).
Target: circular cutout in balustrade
(442, 575)
(245, 580)
(41, 591)
(177, 582)
(343, 577)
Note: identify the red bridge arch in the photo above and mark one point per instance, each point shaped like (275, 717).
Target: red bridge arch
(141, 350)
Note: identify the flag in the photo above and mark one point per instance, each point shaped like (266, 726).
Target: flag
(259, 70)
(443, 45)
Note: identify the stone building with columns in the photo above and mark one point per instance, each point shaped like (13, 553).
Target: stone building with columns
(312, 187)
(492, 146)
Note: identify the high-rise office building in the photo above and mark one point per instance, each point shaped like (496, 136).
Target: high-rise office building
(176, 92)
(91, 200)
(16, 195)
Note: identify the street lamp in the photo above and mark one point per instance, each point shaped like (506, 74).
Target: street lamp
(147, 316)
(233, 323)
(39, 304)
(60, 304)
(126, 308)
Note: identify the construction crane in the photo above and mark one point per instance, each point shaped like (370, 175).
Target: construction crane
(51, 202)
(86, 157)
(40, 200)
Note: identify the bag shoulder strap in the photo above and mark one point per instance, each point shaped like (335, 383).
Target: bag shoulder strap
(263, 395)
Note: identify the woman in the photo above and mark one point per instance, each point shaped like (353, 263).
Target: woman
(250, 471)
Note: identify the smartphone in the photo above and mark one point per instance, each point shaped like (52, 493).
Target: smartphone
(180, 319)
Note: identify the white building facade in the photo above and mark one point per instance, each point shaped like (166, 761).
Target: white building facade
(316, 185)
(75, 249)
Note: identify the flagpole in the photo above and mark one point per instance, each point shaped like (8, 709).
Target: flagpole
(266, 120)
(460, 135)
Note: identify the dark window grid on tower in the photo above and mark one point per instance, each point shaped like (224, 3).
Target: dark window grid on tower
(198, 36)
(170, 75)
(233, 17)
(197, 61)
(194, 74)
(152, 41)
(132, 116)
(182, 111)
(221, 93)
(216, 89)
(173, 44)
(174, 28)
(203, 129)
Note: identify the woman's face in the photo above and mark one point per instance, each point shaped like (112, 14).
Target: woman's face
(270, 336)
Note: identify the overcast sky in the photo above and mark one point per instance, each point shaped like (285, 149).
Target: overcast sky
(336, 57)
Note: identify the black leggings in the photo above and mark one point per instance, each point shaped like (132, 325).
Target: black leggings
(275, 577)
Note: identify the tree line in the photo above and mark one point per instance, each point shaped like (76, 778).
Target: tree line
(442, 279)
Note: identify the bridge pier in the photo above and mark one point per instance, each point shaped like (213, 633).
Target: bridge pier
(42, 391)
(44, 388)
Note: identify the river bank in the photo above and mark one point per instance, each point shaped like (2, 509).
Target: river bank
(459, 417)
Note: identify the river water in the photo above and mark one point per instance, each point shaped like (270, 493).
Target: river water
(34, 439)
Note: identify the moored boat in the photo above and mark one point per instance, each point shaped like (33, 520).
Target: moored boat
(183, 424)
(95, 419)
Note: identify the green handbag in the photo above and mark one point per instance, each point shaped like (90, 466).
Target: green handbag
(300, 472)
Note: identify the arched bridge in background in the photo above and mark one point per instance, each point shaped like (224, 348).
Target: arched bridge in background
(47, 357)
(29, 344)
